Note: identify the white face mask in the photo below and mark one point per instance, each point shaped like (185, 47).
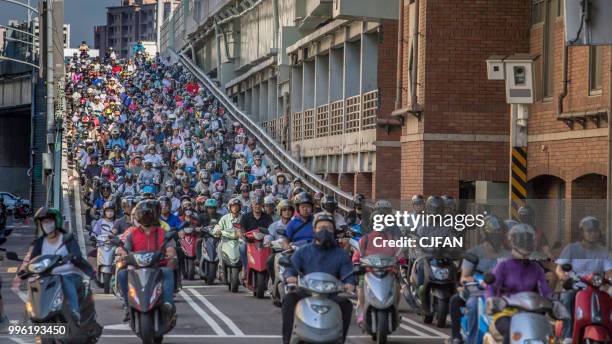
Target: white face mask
(48, 227)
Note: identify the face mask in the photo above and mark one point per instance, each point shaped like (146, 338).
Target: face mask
(169, 193)
(105, 171)
(48, 227)
(325, 239)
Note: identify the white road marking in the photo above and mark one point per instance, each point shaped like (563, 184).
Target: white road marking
(217, 312)
(413, 330)
(119, 327)
(254, 336)
(426, 328)
(20, 340)
(209, 320)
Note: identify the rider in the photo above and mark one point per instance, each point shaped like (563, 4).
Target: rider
(148, 236)
(478, 259)
(104, 226)
(166, 215)
(254, 219)
(125, 222)
(276, 231)
(587, 256)
(517, 274)
(330, 205)
(300, 227)
(233, 217)
(354, 216)
(55, 240)
(270, 207)
(322, 255)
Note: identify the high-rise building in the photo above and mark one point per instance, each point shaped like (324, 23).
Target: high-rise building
(132, 21)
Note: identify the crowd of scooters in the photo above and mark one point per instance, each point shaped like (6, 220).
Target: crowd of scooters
(175, 190)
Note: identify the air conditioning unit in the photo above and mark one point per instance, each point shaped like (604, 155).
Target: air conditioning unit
(365, 9)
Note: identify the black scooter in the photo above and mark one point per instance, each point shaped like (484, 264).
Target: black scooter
(209, 260)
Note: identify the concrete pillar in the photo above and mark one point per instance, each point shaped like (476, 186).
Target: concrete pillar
(346, 182)
(352, 53)
(296, 88)
(263, 101)
(272, 99)
(255, 103)
(363, 184)
(248, 100)
(241, 100)
(335, 74)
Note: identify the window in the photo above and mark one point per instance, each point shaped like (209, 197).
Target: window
(559, 8)
(537, 11)
(549, 48)
(595, 69)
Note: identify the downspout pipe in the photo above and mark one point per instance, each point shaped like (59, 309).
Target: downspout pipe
(609, 178)
(415, 58)
(565, 81)
(400, 55)
(277, 24)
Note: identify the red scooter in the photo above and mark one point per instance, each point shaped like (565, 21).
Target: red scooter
(188, 245)
(257, 256)
(592, 310)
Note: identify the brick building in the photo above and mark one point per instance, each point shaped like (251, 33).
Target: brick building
(455, 135)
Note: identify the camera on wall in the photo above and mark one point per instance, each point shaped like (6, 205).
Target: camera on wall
(517, 71)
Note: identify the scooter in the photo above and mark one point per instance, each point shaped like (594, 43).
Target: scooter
(230, 257)
(530, 324)
(381, 295)
(209, 261)
(145, 280)
(107, 246)
(439, 285)
(188, 250)
(317, 319)
(47, 302)
(257, 256)
(593, 308)
(277, 285)
(475, 289)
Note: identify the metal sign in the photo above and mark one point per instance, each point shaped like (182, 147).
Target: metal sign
(587, 22)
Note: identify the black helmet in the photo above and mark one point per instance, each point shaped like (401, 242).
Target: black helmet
(303, 198)
(449, 204)
(358, 200)
(526, 215)
(418, 200)
(146, 212)
(329, 203)
(434, 205)
(494, 229)
(589, 223)
(522, 238)
(383, 207)
(323, 216)
(128, 202)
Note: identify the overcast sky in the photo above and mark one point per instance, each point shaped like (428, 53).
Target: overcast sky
(82, 15)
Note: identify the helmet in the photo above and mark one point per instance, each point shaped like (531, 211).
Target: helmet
(522, 238)
(165, 200)
(128, 201)
(200, 200)
(108, 205)
(257, 199)
(285, 203)
(494, 230)
(358, 200)
(210, 203)
(245, 188)
(417, 200)
(146, 212)
(185, 180)
(269, 200)
(46, 213)
(434, 205)
(383, 207)
(510, 223)
(323, 216)
(449, 203)
(303, 198)
(234, 201)
(589, 224)
(329, 203)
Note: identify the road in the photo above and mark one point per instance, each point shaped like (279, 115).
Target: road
(205, 313)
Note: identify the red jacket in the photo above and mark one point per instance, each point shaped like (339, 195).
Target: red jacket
(138, 241)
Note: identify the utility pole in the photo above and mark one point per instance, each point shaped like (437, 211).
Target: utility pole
(160, 21)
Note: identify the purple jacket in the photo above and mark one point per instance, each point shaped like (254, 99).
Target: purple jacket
(516, 275)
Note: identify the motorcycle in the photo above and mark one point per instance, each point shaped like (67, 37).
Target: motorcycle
(257, 256)
(21, 211)
(317, 319)
(230, 257)
(381, 295)
(188, 249)
(593, 306)
(145, 281)
(107, 246)
(277, 285)
(439, 285)
(530, 324)
(47, 302)
(209, 261)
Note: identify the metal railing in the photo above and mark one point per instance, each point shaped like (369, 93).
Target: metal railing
(272, 148)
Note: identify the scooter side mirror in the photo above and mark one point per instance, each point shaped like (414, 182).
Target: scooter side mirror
(567, 267)
(489, 278)
(12, 256)
(285, 262)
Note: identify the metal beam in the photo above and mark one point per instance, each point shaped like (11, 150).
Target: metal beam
(18, 30)
(18, 61)
(20, 41)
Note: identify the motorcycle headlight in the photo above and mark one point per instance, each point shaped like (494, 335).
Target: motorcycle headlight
(440, 273)
(144, 259)
(58, 300)
(320, 286)
(40, 266)
(320, 309)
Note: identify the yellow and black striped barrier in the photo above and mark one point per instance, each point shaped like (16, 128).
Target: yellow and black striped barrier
(518, 193)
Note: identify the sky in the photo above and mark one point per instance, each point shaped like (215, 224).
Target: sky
(82, 15)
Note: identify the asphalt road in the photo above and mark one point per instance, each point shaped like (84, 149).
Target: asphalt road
(206, 314)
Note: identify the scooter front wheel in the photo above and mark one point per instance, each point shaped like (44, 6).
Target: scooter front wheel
(234, 280)
(261, 283)
(189, 266)
(147, 334)
(106, 280)
(382, 326)
(441, 312)
(211, 273)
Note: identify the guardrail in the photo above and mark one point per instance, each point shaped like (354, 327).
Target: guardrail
(272, 148)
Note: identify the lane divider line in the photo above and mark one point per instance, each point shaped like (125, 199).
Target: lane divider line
(209, 320)
(426, 328)
(217, 312)
(413, 330)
